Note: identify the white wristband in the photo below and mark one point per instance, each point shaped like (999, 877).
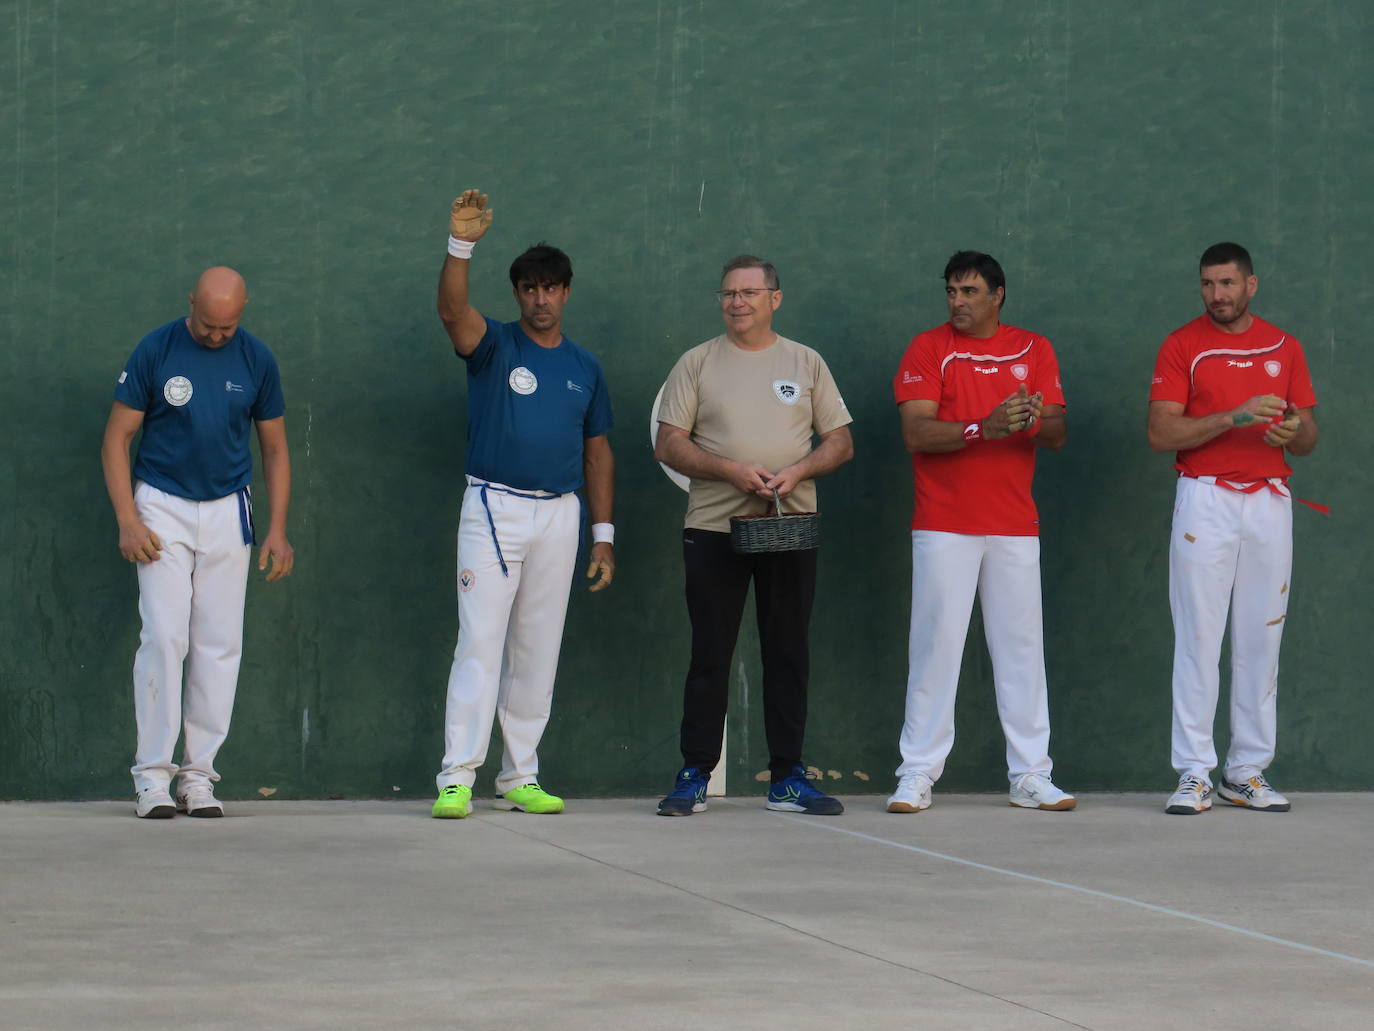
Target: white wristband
(460, 248)
(603, 533)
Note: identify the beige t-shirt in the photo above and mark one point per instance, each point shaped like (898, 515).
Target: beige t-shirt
(750, 406)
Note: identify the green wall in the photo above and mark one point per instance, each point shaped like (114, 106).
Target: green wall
(1095, 148)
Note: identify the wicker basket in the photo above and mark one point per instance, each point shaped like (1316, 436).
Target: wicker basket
(757, 534)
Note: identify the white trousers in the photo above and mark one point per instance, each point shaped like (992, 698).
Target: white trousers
(187, 666)
(510, 629)
(946, 570)
(1227, 549)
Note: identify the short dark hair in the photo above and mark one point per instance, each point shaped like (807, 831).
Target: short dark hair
(770, 274)
(964, 262)
(543, 265)
(1224, 254)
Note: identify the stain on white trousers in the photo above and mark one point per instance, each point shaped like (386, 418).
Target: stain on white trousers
(1228, 550)
(191, 602)
(947, 570)
(510, 629)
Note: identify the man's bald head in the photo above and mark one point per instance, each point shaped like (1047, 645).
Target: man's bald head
(216, 306)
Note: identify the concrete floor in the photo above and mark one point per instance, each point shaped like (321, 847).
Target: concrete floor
(970, 915)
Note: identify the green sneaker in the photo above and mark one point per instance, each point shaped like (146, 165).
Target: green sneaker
(453, 803)
(530, 798)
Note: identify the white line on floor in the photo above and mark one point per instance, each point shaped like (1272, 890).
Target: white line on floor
(813, 822)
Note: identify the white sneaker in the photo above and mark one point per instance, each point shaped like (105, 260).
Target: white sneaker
(155, 804)
(196, 799)
(1032, 791)
(1194, 795)
(912, 794)
(1255, 793)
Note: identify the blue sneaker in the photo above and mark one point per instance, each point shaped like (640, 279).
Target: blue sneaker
(794, 794)
(688, 795)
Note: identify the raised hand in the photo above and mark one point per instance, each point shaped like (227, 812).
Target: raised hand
(470, 217)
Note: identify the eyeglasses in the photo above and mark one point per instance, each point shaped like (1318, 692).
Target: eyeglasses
(751, 294)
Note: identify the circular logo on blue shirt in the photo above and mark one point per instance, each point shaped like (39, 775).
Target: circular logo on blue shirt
(522, 381)
(177, 391)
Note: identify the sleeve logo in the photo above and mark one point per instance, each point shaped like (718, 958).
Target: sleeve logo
(177, 391)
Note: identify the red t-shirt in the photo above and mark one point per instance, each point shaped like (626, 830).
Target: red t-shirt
(985, 488)
(1208, 371)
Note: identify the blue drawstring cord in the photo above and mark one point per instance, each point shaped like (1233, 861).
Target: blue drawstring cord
(250, 531)
(494, 539)
(491, 523)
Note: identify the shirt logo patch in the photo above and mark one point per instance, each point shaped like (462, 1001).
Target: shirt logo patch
(1273, 368)
(1020, 371)
(177, 391)
(467, 579)
(910, 377)
(788, 393)
(231, 385)
(522, 381)
(574, 386)
(123, 376)
(1231, 363)
(986, 370)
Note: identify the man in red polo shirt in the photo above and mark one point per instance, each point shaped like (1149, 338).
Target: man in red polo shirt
(976, 399)
(1230, 393)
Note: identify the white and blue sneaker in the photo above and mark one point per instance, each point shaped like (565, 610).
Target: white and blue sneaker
(688, 795)
(1193, 796)
(795, 794)
(198, 799)
(1256, 793)
(155, 804)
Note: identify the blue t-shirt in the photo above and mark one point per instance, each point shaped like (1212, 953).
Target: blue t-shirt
(198, 404)
(530, 408)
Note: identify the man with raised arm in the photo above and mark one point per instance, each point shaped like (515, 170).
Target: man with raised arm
(538, 417)
(1231, 393)
(195, 387)
(739, 414)
(977, 398)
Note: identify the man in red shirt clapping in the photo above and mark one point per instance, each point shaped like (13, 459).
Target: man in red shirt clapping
(976, 399)
(1230, 394)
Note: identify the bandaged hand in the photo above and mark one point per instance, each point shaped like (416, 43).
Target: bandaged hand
(602, 566)
(1014, 414)
(1283, 431)
(470, 217)
(1261, 408)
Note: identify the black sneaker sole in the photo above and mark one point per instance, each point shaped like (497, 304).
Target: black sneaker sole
(1185, 810)
(1255, 808)
(159, 812)
(209, 812)
(1234, 797)
(698, 808)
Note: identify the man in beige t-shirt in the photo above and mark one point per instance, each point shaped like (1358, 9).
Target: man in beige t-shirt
(738, 416)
